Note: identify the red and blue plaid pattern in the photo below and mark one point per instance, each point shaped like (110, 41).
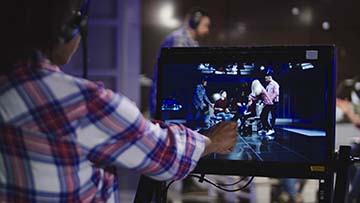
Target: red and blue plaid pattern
(58, 131)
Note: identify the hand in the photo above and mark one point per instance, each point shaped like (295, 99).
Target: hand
(223, 137)
(344, 105)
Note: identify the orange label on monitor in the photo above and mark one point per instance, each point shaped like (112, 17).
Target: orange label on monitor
(317, 168)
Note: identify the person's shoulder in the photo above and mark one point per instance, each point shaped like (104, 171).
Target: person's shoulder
(62, 79)
(275, 83)
(171, 38)
(59, 75)
(179, 32)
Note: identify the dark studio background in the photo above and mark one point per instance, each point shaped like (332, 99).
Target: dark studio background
(260, 22)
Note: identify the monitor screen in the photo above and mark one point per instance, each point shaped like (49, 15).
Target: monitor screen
(282, 99)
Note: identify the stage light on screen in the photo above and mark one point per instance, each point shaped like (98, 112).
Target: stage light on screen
(249, 66)
(166, 16)
(305, 66)
(202, 67)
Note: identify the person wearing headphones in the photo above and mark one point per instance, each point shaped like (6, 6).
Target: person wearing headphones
(196, 26)
(58, 132)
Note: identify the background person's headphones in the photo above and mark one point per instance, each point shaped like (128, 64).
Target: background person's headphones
(195, 18)
(76, 25)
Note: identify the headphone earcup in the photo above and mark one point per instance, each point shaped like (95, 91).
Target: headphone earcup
(195, 19)
(192, 24)
(76, 25)
(69, 32)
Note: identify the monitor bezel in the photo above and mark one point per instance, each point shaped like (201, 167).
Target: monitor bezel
(327, 55)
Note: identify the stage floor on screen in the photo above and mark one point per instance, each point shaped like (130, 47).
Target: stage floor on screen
(285, 145)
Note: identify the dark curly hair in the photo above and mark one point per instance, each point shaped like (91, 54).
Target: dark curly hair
(29, 25)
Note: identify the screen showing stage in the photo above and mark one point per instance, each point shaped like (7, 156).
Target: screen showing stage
(280, 100)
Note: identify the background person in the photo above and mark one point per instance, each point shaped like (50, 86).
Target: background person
(273, 91)
(201, 102)
(196, 26)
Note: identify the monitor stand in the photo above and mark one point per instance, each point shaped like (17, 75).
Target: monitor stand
(150, 190)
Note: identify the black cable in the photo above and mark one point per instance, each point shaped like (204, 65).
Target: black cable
(84, 38)
(224, 189)
(85, 52)
(171, 182)
(232, 184)
(219, 186)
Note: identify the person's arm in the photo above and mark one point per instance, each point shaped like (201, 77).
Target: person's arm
(227, 108)
(114, 133)
(202, 95)
(198, 94)
(273, 92)
(217, 106)
(251, 99)
(276, 91)
(265, 98)
(207, 99)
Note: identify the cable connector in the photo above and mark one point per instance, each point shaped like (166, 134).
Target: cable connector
(202, 178)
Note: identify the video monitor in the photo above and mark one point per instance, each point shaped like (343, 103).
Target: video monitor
(282, 98)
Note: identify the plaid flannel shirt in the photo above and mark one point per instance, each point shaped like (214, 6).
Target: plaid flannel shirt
(58, 131)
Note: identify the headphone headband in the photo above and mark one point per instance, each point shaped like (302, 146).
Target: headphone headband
(195, 18)
(76, 24)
